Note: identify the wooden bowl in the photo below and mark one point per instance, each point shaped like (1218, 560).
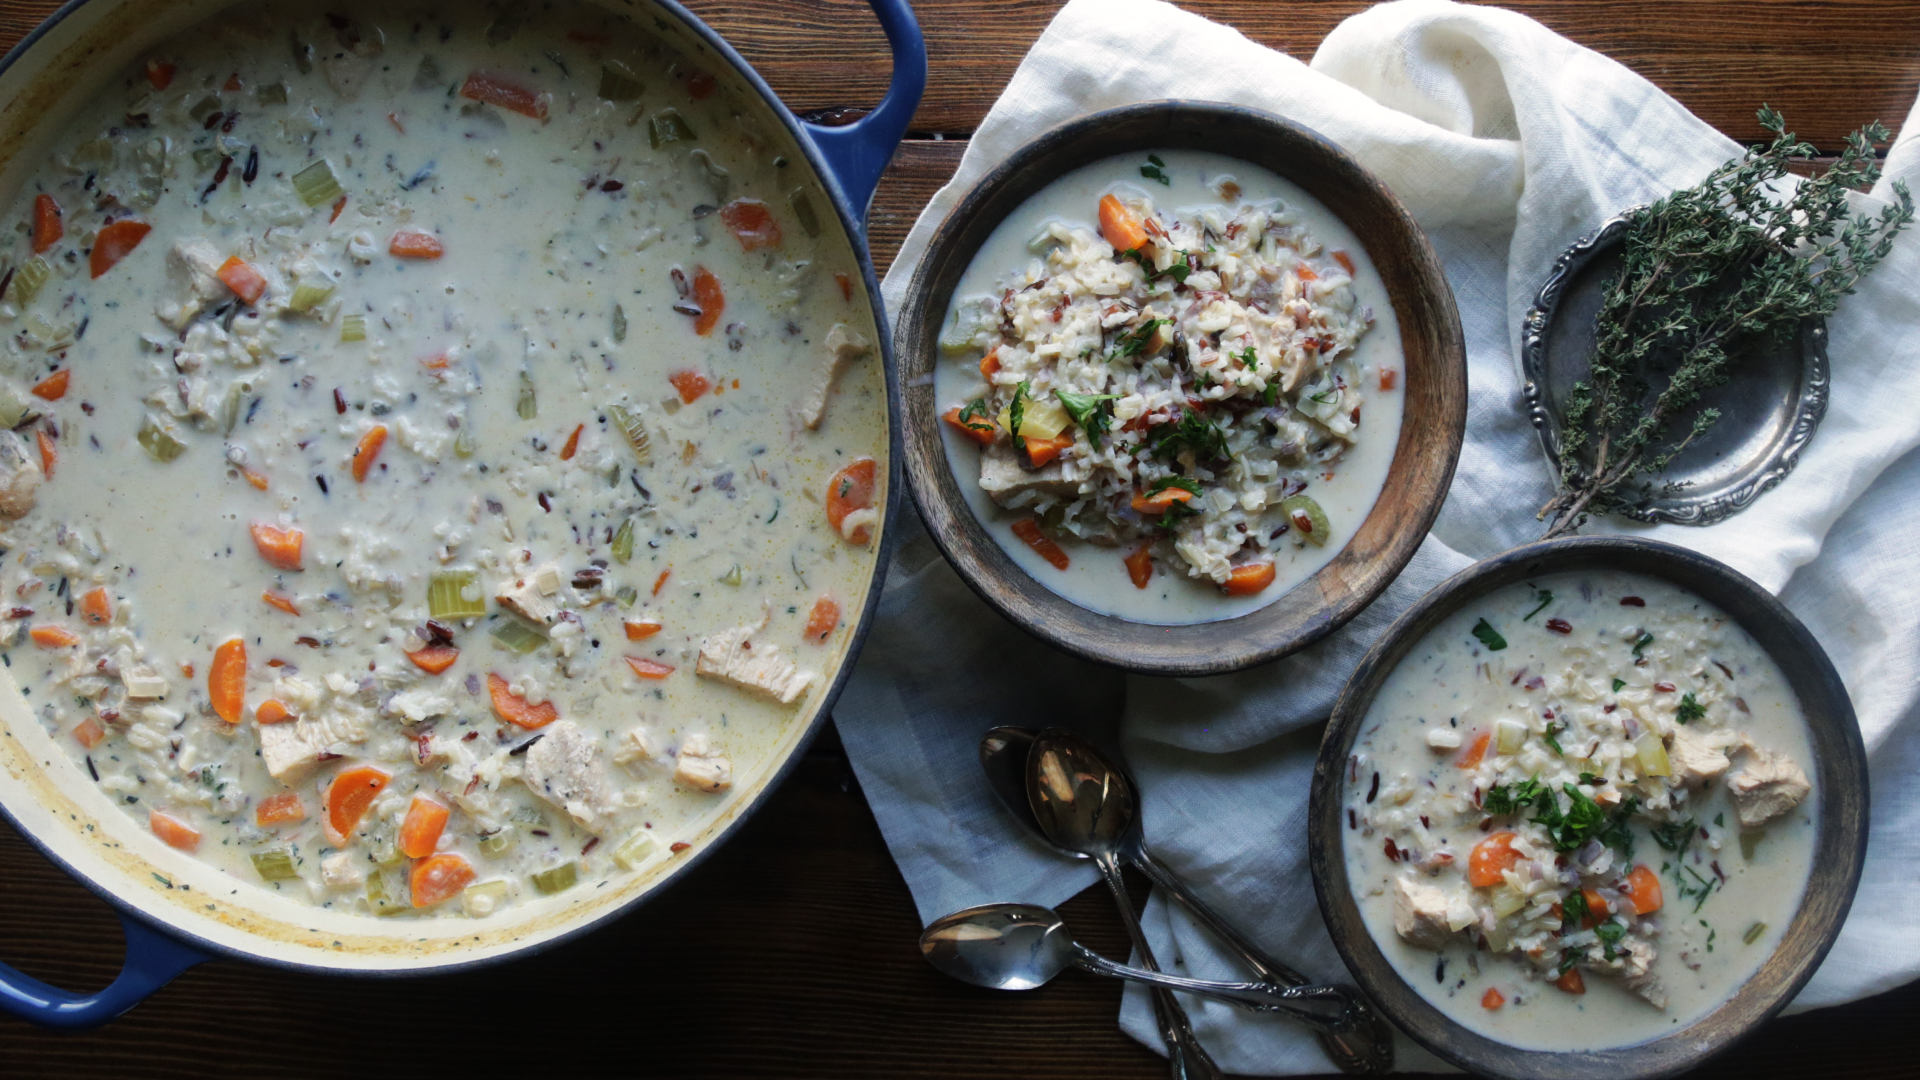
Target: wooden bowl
(1430, 433)
(1840, 786)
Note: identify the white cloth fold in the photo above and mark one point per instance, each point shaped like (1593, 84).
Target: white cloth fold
(1506, 142)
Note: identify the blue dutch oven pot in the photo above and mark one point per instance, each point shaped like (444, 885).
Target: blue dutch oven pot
(178, 912)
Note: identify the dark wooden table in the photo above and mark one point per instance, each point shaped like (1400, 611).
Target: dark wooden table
(790, 953)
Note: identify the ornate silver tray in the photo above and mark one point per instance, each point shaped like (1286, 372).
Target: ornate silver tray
(1769, 410)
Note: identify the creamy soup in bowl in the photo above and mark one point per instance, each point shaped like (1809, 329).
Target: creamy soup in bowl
(446, 451)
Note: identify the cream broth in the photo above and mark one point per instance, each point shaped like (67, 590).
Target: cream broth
(1291, 270)
(1622, 914)
(453, 492)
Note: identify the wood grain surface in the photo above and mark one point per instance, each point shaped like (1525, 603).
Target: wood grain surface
(790, 953)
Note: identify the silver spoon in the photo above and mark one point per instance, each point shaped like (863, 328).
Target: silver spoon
(1092, 823)
(1022, 946)
(1366, 1044)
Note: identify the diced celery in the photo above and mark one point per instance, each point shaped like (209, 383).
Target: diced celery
(463, 442)
(27, 280)
(1506, 902)
(1749, 842)
(733, 576)
(516, 634)
(1652, 754)
(668, 126)
(528, 406)
(619, 324)
(635, 430)
(275, 864)
(353, 328)
(307, 297)
(455, 594)
(387, 893)
(315, 184)
(618, 82)
(1040, 419)
(623, 543)
(14, 407)
(273, 93)
(302, 52)
(1307, 519)
(482, 900)
(1509, 736)
(230, 408)
(497, 842)
(206, 158)
(557, 880)
(1754, 933)
(634, 851)
(159, 443)
(803, 211)
(626, 595)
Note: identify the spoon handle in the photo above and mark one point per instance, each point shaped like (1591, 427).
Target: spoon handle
(1321, 1007)
(1187, 1059)
(1264, 966)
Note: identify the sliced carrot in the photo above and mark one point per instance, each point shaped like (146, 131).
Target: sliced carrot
(823, 620)
(339, 204)
(272, 711)
(1492, 999)
(751, 223)
(49, 451)
(1475, 752)
(978, 428)
(48, 227)
(573, 444)
(1121, 226)
(425, 821)
(159, 75)
(280, 547)
(114, 242)
(173, 831)
(1028, 530)
(280, 600)
(661, 580)
(394, 119)
(649, 669)
(1572, 982)
(1388, 378)
(1642, 889)
(348, 798)
(89, 732)
(990, 366)
(514, 709)
(851, 489)
(1305, 273)
(1041, 451)
(246, 282)
(1161, 501)
(1248, 579)
(227, 680)
(712, 301)
(255, 477)
(1596, 909)
(690, 383)
(1490, 858)
(846, 286)
(366, 450)
(641, 629)
(232, 85)
(48, 636)
(414, 244)
(97, 607)
(1345, 260)
(439, 878)
(279, 810)
(1140, 565)
(434, 659)
(54, 386)
(496, 90)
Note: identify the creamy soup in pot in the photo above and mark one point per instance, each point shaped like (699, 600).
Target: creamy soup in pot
(1172, 386)
(445, 448)
(1578, 814)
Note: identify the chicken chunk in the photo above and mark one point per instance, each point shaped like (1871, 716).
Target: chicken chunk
(1420, 913)
(844, 346)
(1004, 479)
(338, 872)
(701, 767)
(193, 267)
(19, 476)
(564, 769)
(1637, 972)
(1695, 757)
(530, 597)
(762, 669)
(1770, 784)
(290, 749)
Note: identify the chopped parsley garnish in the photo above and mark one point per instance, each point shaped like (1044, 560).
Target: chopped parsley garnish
(1675, 836)
(1574, 909)
(1545, 598)
(1696, 890)
(1269, 393)
(1617, 684)
(1569, 829)
(1180, 482)
(1645, 639)
(1152, 170)
(1589, 778)
(1134, 341)
(976, 407)
(1512, 798)
(1553, 730)
(1489, 636)
(1689, 710)
(1610, 933)
(1325, 397)
(1244, 357)
(1177, 270)
(1567, 960)
(1091, 411)
(1017, 410)
(1194, 432)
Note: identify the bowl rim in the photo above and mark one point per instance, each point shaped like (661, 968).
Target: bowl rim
(1840, 849)
(1427, 314)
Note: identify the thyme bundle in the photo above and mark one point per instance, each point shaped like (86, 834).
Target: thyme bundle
(1710, 273)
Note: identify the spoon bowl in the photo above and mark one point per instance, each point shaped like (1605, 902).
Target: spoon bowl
(1000, 946)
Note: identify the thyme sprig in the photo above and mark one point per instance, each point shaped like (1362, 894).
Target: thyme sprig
(1709, 273)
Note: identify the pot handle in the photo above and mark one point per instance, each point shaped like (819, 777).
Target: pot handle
(858, 153)
(153, 960)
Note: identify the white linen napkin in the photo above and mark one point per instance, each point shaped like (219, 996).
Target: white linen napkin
(1507, 142)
